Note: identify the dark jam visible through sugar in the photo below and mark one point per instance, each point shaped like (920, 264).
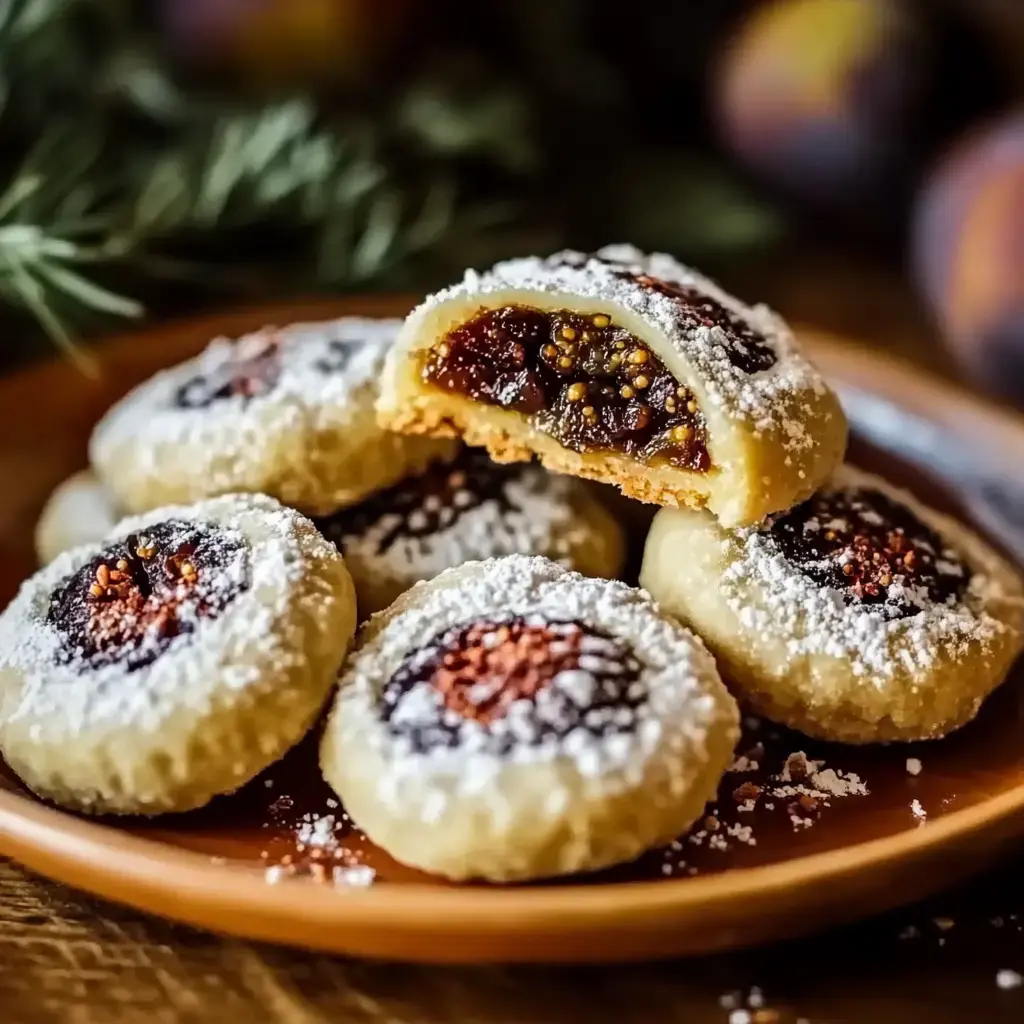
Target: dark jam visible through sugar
(746, 348)
(127, 604)
(252, 368)
(421, 506)
(588, 383)
(571, 676)
(872, 548)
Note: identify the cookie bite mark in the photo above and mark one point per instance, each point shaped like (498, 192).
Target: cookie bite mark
(127, 604)
(583, 380)
(622, 367)
(873, 550)
(521, 680)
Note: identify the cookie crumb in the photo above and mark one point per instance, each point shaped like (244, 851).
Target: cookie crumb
(356, 876)
(746, 793)
(798, 766)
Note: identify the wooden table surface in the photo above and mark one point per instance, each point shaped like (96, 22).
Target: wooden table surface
(66, 958)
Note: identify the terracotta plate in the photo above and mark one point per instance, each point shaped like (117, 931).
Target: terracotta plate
(909, 835)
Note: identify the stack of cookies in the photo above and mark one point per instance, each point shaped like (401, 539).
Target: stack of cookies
(508, 709)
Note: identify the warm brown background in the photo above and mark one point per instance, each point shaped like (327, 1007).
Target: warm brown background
(65, 957)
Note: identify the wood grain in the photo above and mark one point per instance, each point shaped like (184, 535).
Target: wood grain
(68, 959)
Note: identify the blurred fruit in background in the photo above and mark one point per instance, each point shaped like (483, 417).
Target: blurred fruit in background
(820, 97)
(286, 43)
(968, 253)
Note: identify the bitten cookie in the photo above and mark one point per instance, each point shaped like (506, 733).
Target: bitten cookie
(859, 616)
(465, 511)
(512, 720)
(626, 368)
(174, 661)
(283, 411)
(79, 511)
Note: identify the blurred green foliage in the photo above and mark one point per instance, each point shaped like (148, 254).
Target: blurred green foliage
(172, 153)
(126, 178)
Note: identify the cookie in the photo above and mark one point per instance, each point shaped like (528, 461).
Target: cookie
(174, 661)
(858, 616)
(469, 510)
(79, 511)
(286, 412)
(511, 719)
(625, 368)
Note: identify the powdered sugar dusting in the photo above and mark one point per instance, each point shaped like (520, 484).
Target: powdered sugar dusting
(819, 619)
(195, 669)
(677, 704)
(494, 511)
(324, 387)
(763, 398)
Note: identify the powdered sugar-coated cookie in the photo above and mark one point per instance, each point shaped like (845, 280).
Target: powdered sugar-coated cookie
(79, 511)
(469, 510)
(627, 368)
(283, 411)
(175, 660)
(511, 719)
(858, 616)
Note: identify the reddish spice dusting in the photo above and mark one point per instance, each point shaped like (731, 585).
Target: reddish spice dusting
(119, 611)
(126, 604)
(498, 665)
(872, 563)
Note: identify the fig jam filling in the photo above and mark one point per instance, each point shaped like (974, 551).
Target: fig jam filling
(252, 368)
(588, 383)
(421, 506)
(128, 604)
(519, 680)
(873, 550)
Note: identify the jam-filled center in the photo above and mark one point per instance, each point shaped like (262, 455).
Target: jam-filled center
(584, 380)
(126, 605)
(251, 368)
(521, 679)
(873, 549)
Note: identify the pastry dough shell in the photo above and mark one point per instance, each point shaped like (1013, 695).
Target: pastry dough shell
(215, 708)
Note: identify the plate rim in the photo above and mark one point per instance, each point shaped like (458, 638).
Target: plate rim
(194, 888)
